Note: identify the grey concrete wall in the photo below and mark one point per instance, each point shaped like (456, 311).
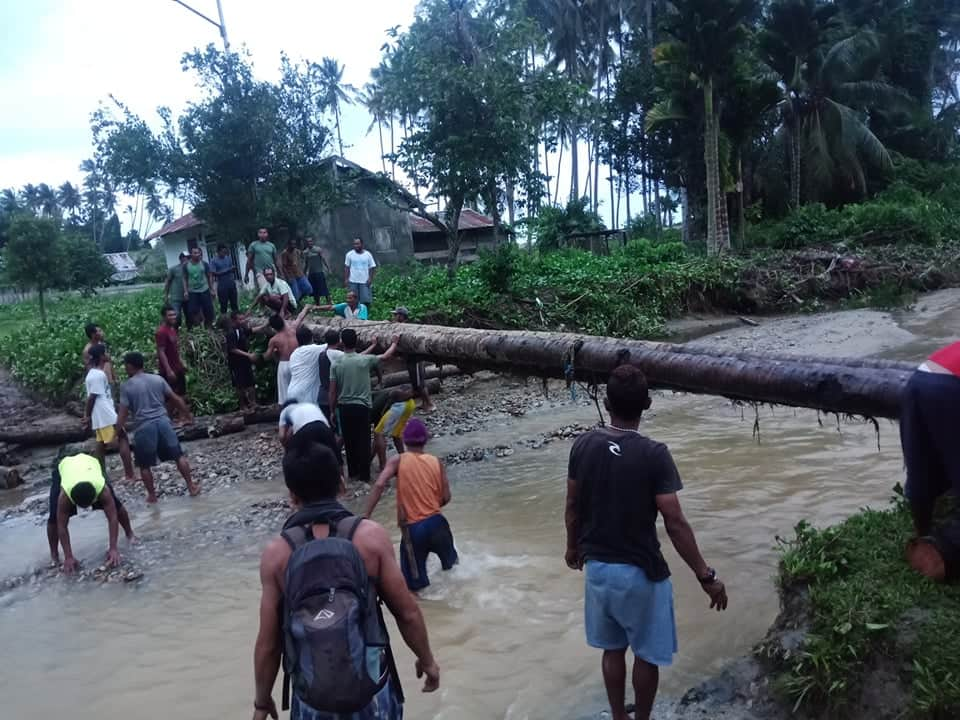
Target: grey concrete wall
(384, 230)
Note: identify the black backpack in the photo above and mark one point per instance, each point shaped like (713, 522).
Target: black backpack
(336, 650)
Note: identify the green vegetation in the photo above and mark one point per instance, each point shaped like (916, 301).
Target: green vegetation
(867, 608)
(46, 358)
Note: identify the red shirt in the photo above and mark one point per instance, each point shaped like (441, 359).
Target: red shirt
(167, 345)
(949, 358)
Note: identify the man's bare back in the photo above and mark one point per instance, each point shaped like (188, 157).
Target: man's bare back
(283, 344)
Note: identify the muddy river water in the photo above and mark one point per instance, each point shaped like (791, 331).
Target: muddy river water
(506, 624)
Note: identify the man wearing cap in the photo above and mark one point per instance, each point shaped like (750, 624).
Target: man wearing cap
(422, 489)
(78, 481)
(415, 368)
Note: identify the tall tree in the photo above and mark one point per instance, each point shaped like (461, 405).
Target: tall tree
(33, 256)
(705, 35)
(460, 79)
(336, 93)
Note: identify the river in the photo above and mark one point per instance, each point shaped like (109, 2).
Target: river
(506, 624)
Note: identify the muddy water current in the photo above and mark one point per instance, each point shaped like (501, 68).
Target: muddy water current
(506, 624)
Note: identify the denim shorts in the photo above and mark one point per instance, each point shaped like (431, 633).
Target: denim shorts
(623, 608)
(156, 439)
(430, 535)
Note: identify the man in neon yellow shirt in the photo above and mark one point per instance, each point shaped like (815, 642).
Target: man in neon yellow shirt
(78, 481)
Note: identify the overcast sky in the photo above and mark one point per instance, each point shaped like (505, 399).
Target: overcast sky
(60, 58)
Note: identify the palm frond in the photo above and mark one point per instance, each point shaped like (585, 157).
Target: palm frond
(845, 56)
(663, 112)
(857, 136)
(873, 94)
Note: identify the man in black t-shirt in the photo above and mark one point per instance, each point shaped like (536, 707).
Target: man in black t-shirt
(618, 480)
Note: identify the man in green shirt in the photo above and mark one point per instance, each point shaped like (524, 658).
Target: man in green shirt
(173, 288)
(199, 288)
(350, 401)
(316, 267)
(261, 254)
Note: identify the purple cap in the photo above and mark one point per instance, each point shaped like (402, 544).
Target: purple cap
(415, 432)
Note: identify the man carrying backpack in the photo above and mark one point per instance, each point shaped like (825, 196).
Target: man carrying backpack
(323, 579)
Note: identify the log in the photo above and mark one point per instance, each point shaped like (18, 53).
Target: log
(430, 373)
(66, 430)
(828, 385)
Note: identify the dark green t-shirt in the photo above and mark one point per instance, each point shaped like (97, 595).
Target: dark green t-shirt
(264, 255)
(352, 375)
(197, 276)
(175, 275)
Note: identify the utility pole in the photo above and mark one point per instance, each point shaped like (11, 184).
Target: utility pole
(221, 26)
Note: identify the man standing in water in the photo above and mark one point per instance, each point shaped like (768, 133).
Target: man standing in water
(422, 489)
(617, 482)
(78, 481)
(142, 397)
(312, 477)
(929, 420)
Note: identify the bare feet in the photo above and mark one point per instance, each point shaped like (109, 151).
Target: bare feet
(151, 499)
(925, 558)
(132, 539)
(194, 489)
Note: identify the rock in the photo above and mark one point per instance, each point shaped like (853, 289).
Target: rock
(132, 576)
(10, 478)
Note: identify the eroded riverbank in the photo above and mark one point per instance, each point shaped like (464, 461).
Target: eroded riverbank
(507, 623)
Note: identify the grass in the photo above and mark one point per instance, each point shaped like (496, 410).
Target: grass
(865, 605)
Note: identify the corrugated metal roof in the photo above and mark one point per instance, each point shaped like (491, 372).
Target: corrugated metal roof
(469, 220)
(185, 223)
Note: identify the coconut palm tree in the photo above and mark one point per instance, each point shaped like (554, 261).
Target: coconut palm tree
(704, 36)
(9, 201)
(372, 98)
(792, 32)
(47, 198)
(337, 92)
(30, 198)
(68, 197)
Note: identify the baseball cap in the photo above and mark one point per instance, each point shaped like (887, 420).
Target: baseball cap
(415, 432)
(401, 310)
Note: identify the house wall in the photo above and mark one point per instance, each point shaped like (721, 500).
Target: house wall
(176, 243)
(432, 246)
(384, 230)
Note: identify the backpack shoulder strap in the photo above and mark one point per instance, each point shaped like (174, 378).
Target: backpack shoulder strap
(297, 536)
(346, 527)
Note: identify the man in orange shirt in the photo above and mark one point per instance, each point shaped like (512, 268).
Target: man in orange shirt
(422, 489)
(929, 423)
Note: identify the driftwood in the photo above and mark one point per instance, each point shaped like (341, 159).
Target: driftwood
(402, 378)
(62, 430)
(829, 385)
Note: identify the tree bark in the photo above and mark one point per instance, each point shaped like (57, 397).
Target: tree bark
(454, 209)
(829, 385)
(795, 167)
(718, 230)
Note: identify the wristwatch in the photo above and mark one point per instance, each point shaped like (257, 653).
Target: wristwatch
(709, 578)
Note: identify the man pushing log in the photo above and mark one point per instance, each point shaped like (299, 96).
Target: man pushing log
(929, 421)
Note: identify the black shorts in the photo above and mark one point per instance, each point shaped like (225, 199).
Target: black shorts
(415, 369)
(55, 498)
(241, 373)
(319, 283)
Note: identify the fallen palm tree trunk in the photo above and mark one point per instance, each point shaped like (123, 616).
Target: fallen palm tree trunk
(822, 384)
(866, 362)
(65, 429)
(402, 378)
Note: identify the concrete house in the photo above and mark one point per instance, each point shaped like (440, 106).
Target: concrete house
(393, 235)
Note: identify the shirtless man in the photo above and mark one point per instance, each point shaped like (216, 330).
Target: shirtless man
(282, 345)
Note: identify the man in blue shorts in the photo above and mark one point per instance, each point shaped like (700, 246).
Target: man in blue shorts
(143, 398)
(617, 482)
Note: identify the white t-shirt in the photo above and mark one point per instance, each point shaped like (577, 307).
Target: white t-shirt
(305, 374)
(300, 414)
(360, 265)
(279, 287)
(104, 414)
